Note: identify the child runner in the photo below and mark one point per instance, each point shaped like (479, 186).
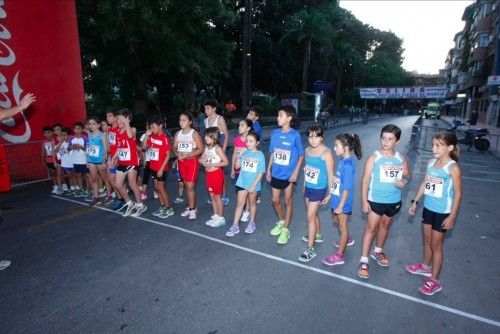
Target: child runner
(112, 119)
(386, 173)
(254, 115)
(215, 120)
(245, 126)
(158, 152)
(62, 150)
(442, 187)
(105, 130)
(286, 157)
(77, 147)
(188, 146)
(343, 191)
(318, 180)
(127, 158)
(97, 153)
(48, 158)
(56, 128)
(214, 159)
(252, 166)
(180, 183)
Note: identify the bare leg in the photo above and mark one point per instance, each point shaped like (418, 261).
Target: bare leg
(437, 239)
(276, 203)
(372, 226)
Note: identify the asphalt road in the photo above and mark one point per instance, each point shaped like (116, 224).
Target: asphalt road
(80, 269)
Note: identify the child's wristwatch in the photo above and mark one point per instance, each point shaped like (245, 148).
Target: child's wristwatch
(414, 201)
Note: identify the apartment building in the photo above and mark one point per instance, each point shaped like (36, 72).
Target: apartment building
(473, 63)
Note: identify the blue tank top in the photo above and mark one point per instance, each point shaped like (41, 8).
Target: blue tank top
(386, 171)
(315, 173)
(439, 191)
(95, 149)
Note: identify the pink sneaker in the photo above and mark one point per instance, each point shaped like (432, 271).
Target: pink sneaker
(418, 269)
(334, 259)
(430, 287)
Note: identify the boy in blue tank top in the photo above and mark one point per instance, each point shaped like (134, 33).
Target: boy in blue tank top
(286, 157)
(386, 173)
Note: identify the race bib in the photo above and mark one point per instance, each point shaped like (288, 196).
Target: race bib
(112, 138)
(336, 187)
(93, 151)
(48, 148)
(184, 147)
(311, 174)
(281, 157)
(249, 165)
(434, 186)
(123, 154)
(391, 173)
(153, 154)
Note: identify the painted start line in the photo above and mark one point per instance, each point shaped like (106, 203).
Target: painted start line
(303, 266)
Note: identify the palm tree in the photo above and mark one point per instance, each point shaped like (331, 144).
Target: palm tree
(308, 26)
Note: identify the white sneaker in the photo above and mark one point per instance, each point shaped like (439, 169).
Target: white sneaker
(139, 209)
(59, 191)
(186, 212)
(54, 190)
(155, 195)
(65, 187)
(129, 210)
(211, 220)
(218, 222)
(192, 214)
(4, 264)
(245, 217)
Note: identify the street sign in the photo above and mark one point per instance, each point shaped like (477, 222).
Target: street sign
(493, 80)
(322, 86)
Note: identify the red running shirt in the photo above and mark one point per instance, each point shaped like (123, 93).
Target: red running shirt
(127, 150)
(159, 146)
(112, 134)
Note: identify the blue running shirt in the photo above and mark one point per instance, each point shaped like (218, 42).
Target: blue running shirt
(252, 163)
(285, 149)
(344, 179)
(439, 191)
(386, 171)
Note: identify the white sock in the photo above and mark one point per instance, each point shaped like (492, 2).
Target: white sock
(364, 259)
(377, 250)
(130, 203)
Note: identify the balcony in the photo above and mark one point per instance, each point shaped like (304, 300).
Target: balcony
(475, 81)
(483, 24)
(478, 54)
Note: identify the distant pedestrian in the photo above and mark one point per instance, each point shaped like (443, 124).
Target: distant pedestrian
(343, 193)
(386, 173)
(442, 192)
(318, 179)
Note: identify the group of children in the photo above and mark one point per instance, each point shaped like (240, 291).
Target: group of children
(113, 155)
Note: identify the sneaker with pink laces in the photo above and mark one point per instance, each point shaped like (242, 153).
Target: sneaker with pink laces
(419, 269)
(350, 242)
(430, 287)
(334, 260)
(144, 196)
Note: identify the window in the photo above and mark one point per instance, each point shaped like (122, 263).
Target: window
(485, 9)
(482, 41)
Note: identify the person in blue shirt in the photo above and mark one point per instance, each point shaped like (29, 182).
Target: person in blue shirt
(286, 157)
(318, 179)
(386, 173)
(442, 192)
(252, 166)
(343, 191)
(254, 114)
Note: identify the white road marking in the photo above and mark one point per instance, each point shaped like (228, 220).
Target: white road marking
(303, 266)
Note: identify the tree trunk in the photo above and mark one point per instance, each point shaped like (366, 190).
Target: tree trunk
(188, 88)
(338, 87)
(165, 95)
(305, 66)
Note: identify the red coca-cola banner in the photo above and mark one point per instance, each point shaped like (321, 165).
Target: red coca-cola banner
(39, 53)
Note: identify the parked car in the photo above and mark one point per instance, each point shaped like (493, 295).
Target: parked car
(433, 109)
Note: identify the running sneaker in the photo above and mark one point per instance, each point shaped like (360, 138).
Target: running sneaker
(418, 269)
(192, 214)
(166, 213)
(218, 222)
(233, 230)
(65, 187)
(95, 201)
(108, 200)
(179, 200)
(186, 212)
(211, 220)
(258, 199)
(144, 196)
(78, 193)
(307, 255)
(129, 209)
(4, 264)
(102, 190)
(381, 259)
(319, 238)
(284, 236)
(250, 227)
(155, 195)
(350, 242)
(245, 217)
(363, 270)
(430, 287)
(225, 200)
(139, 209)
(54, 190)
(89, 198)
(334, 259)
(86, 193)
(277, 229)
(59, 191)
(158, 212)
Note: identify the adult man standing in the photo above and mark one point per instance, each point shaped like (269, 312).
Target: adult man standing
(25, 102)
